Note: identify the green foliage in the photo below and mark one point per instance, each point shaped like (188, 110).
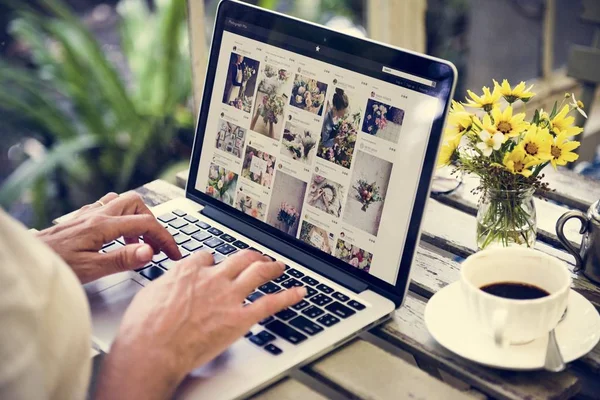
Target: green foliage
(121, 132)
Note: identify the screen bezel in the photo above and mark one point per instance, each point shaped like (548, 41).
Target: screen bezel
(443, 72)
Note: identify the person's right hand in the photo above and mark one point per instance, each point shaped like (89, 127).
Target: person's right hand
(185, 319)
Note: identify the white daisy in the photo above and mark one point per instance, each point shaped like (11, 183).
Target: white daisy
(489, 142)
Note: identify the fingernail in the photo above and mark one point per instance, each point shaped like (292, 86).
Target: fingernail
(302, 291)
(144, 253)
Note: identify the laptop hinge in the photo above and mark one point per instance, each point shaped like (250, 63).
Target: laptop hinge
(293, 253)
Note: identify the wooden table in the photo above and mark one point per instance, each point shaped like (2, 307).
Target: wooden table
(375, 365)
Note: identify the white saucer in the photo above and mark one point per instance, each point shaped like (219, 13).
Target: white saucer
(451, 326)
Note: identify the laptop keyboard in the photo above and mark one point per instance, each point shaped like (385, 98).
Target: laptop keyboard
(322, 307)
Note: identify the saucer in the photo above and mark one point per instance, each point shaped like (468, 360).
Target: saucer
(450, 324)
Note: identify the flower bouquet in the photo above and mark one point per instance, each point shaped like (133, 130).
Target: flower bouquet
(273, 80)
(353, 255)
(299, 145)
(376, 119)
(494, 142)
(219, 182)
(243, 103)
(307, 95)
(366, 193)
(287, 216)
(271, 108)
(344, 132)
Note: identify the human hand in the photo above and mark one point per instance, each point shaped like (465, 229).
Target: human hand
(78, 240)
(186, 318)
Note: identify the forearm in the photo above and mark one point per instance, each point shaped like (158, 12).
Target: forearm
(135, 374)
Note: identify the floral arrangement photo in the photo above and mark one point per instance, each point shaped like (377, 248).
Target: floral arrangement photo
(326, 195)
(243, 103)
(298, 143)
(271, 99)
(273, 79)
(383, 120)
(221, 184)
(353, 255)
(250, 206)
(344, 132)
(375, 119)
(287, 216)
(258, 166)
(316, 237)
(488, 136)
(308, 94)
(366, 193)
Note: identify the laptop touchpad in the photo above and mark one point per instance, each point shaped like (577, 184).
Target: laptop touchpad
(108, 307)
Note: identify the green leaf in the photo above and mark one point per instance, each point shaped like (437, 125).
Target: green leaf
(30, 171)
(536, 117)
(554, 109)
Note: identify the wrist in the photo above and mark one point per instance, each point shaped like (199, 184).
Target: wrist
(130, 371)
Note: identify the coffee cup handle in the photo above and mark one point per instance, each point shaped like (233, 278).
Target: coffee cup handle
(499, 318)
(565, 242)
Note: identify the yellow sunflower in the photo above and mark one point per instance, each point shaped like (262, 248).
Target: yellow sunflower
(488, 101)
(561, 150)
(517, 93)
(536, 144)
(448, 150)
(508, 124)
(516, 162)
(561, 123)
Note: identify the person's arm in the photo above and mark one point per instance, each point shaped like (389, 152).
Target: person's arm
(79, 240)
(185, 319)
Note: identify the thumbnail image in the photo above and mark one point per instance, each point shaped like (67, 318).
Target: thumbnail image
(383, 121)
(298, 143)
(271, 99)
(366, 195)
(353, 255)
(221, 184)
(240, 82)
(258, 166)
(340, 128)
(316, 237)
(286, 203)
(230, 138)
(250, 206)
(308, 94)
(326, 195)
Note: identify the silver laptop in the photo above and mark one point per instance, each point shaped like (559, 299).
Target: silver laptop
(316, 149)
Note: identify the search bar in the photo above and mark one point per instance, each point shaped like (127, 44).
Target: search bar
(414, 78)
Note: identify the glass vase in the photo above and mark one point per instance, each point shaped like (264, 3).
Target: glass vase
(506, 218)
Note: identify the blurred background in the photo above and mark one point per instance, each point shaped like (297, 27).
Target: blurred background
(98, 95)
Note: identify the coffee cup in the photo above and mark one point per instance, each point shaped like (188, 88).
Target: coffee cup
(530, 289)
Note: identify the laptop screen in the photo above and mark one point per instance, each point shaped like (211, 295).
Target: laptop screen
(322, 145)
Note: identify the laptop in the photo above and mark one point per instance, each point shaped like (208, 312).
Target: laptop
(316, 149)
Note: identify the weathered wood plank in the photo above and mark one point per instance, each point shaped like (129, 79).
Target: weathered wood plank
(288, 389)
(373, 373)
(572, 189)
(439, 229)
(547, 213)
(407, 330)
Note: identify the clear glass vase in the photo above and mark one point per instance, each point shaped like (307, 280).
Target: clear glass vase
(506, 218)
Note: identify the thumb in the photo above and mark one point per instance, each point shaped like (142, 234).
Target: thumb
(129, 257)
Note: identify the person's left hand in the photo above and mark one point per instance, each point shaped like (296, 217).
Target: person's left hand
(78, 240)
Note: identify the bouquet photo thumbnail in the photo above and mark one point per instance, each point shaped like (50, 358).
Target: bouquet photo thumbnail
(240, 82)
(258, 166)
(221, 184)
(298, 143)
(250, 206)
(285, 207)
(308, 94)
(383, 121)
(353, 255)
(316, 237)
(270, 101)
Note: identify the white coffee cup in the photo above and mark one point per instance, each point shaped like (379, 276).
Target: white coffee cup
(513, 321)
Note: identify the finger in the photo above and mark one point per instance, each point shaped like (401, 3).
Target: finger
(129, 203)
(141, 225)
(129, 257)
(272, 303)
(257, 274)
(238, 262)
(132, 240)
(107, 198)
(200, 259)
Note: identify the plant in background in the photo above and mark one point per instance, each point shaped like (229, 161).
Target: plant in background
(494, 142)
(101, 130)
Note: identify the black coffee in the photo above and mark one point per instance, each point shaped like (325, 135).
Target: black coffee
(515, 290)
